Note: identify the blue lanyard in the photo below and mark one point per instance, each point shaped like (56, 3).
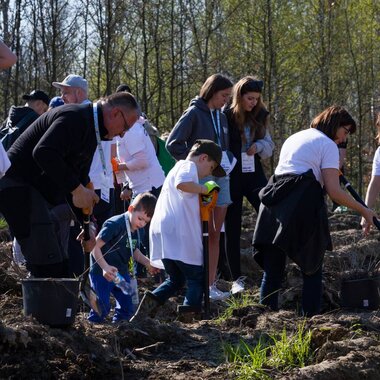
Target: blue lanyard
(98, 139)
(217, 125)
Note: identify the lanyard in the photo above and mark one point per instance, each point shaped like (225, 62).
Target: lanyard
(126, 217)
(217, 125)
(98, 139)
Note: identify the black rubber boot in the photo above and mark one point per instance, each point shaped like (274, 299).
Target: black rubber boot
(187, 313)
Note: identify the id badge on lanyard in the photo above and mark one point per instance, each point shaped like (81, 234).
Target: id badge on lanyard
(127, 224)
(247, 163)
(104, 188)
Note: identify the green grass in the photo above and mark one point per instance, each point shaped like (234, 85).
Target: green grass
(233, 303)
(281, 352)
(3, 224)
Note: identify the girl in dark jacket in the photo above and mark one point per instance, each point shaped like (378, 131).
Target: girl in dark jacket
(250, 141)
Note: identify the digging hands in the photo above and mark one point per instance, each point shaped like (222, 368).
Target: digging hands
(211, 186)
(367, 220)
(151, 269)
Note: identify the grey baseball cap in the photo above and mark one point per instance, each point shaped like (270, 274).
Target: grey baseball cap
(72, 80)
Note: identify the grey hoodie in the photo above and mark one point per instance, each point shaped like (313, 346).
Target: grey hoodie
(195, 123)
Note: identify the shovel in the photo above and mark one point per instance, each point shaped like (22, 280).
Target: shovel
(356, 196)
(206, 208)
(86, 292)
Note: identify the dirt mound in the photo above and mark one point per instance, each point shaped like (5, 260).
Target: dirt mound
(345, 343)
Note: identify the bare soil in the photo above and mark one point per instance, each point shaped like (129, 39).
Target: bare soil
(345, 342)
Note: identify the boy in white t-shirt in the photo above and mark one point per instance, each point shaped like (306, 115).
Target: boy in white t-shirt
(175, 231)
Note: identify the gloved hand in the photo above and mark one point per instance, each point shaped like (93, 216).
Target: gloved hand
(211, 187)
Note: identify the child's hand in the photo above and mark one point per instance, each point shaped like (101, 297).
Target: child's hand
(211, 186)
(109, 272)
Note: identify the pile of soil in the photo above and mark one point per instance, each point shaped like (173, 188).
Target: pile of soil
(345, 342)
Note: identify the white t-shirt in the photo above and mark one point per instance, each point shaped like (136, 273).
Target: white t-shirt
(135, 148)
(4, 161)
(96, 169)
(376, 163)
(175, 229)
(305, 150)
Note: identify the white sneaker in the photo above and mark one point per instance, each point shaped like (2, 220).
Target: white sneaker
(238, 285)
(217, 295)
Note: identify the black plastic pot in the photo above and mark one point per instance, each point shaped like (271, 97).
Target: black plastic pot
(52, 301)
(360, 293)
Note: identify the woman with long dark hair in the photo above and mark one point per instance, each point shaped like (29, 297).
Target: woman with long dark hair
(292, 220)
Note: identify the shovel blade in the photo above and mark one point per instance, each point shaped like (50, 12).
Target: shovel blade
(90, 298)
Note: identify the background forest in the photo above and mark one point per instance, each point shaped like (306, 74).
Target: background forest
(310, 54)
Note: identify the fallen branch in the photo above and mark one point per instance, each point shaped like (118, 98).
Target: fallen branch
(155, 346)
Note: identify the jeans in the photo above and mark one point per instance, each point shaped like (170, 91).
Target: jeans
(124, 308)
(274, 268)
(180, 273)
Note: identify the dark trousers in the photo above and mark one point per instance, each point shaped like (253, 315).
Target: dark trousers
(30, 220)
(120, 205)
(241, 185)
(274, 261)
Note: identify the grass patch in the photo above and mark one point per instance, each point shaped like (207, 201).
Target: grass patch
(236, 302)
(281, 352)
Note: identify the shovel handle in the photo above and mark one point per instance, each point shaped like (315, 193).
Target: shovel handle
(86, 226)
(86, 217)
(206, 208)
(356, 196)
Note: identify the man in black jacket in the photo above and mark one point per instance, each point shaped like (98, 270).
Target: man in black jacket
(19, 118)
(51, 160)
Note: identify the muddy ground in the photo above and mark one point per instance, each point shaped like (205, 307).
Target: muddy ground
(345, 342)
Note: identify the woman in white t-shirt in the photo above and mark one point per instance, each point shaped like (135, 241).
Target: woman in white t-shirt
(292, 220)
(374, 185)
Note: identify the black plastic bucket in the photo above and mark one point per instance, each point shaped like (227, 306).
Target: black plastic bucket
(360, 293)
(52, 301)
